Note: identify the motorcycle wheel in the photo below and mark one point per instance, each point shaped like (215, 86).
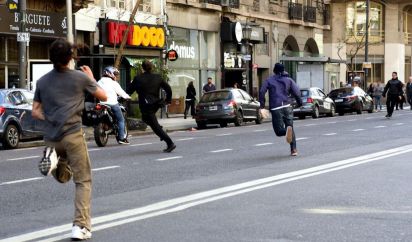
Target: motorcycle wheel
(100, 136)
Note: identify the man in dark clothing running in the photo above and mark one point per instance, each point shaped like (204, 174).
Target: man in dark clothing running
(409, 91)
(148, 87)
(280, 86)
(394, 89)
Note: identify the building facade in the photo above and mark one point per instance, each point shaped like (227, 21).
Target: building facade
(389, 38)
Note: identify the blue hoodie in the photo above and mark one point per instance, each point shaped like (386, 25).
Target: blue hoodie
(279, 86)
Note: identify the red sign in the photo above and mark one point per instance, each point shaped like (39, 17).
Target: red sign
(172, 55)
(147, 36)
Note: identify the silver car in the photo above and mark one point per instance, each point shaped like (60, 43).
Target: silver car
(16, 121)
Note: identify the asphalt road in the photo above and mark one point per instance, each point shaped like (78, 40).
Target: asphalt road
(350, 182)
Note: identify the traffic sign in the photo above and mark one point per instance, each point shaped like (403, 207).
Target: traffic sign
(23, 37)
(247, 57)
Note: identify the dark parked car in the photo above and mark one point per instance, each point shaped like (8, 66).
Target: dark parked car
(227, 106)
(16, 122)
(351, 99)
(314, 103)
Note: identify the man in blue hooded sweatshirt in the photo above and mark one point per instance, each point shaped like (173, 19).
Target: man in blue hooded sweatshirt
(280, 86)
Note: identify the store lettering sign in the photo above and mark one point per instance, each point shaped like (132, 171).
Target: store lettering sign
(38, 23)
(138, 35)
(184, 52)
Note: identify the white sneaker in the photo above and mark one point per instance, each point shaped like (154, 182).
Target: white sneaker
(80, 233)
(49, 161)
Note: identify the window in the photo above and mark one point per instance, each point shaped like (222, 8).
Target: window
(146, 6)
(356, 19)
(116, 4)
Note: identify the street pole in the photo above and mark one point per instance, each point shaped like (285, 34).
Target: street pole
(70, 36)
(22, 47)
(366, 42)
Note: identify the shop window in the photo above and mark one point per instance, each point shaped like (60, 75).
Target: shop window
(2, 76)
(146, 6)
(38, 50)
(12, 50)
(208, 49)
(356, 20)
(2, 49)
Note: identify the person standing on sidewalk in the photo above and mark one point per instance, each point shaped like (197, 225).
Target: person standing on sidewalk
(190, 99)
(409, 91)
(59, 101)
(113, 89)
(394, 90)
(148, 86)
(377, 95)
(280, 86)
(209, 86)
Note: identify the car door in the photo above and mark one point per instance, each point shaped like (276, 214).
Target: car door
(327, 102)
(34, 125)
(22, 111)
(317, 99)
(250, 104)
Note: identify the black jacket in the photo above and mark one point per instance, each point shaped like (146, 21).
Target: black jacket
(148, 87)
(409, 89)
(191, 93)
(393, 87)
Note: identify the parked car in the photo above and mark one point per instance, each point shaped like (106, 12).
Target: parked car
(227, 106)
(314, 103)
(351, 99)
(16, 122)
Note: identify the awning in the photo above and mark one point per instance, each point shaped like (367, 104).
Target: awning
(323, 59)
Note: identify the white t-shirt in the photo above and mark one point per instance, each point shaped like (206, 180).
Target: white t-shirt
(112, 89)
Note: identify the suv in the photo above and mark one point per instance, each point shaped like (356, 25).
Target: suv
(227, 106)
(16, 122)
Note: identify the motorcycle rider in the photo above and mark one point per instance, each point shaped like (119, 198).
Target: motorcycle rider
(112, 88)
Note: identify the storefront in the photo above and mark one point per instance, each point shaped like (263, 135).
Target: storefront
(43, 27)
(197, 60)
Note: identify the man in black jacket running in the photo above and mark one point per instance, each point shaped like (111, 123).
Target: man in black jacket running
(148, 86)
(394, 89)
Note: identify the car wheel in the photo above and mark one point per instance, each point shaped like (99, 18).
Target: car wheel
(239, 118)
(360, 109)
(332, 111)
(201, 125)
(11, 137)
(315, 112)
(259, 118)
(371, 109)
(223, 124)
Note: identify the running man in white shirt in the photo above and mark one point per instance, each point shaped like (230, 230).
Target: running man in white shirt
(112, 88)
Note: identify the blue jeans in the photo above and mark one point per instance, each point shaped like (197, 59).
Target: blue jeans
(281, 119)
(378, 101)
(120, 120)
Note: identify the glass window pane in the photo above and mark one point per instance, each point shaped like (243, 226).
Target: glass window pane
(13, 50)
(179, 79)
(2, 49)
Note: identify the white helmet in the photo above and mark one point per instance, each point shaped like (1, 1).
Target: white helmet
(111, 72)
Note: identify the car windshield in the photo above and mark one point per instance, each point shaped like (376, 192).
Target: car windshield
(343, 92)
(304, 93)
(216, 96)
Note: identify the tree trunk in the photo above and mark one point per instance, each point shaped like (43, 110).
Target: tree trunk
(131, 20)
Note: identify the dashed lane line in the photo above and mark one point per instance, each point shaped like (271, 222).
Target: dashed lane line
(356, 130)
(330, 134)
(24, 158)
(398, 124)
(105, 168)
(263, 144)
(302, 138)
(222, 150)
(184, 139)
(21, 181)
(380, 126)
(95, 149)
(226, 134)
(142, 144)
(351, 120)
(308, 125)
(170, 158)
(259, 130)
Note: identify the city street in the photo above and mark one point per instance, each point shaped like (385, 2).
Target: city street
(350, 182)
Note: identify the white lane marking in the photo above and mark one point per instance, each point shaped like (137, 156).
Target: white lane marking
(184, 139)
(142, 144)
(199, 131)
(398, 124)
(371, 117)
(226, 134)
(263, 144)
(330, 134)
(218, 151)
(32, 148)
(356, 130)
(380, 126)
(105, 168)
(20, 181)
(302, 138)
(170, 158)
(351, 120)
(259, 130)
(334, 122)
(95, 149)
(307, 125)
(192, 200)
(24, 158)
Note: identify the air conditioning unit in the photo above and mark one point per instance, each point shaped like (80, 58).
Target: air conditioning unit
(224, 3)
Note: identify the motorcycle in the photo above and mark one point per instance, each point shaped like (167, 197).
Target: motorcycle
(104, 123)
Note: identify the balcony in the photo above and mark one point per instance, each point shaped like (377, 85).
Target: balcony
(310, 14)
(223, 3)
(295, 11)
